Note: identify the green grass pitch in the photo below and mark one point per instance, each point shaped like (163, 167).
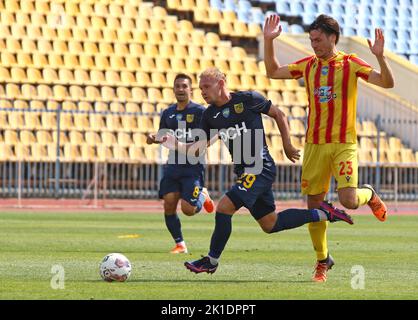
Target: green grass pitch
(254, 265)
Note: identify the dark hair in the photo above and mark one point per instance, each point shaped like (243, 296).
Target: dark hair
(183, 76)
(326, 24)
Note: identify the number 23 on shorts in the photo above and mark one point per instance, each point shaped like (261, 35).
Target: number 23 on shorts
(346, 168)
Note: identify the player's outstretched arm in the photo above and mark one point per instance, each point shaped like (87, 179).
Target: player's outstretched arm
(291, 152)
(272, 30)
(384, 78)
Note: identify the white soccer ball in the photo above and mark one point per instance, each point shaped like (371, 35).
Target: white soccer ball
(115, 267)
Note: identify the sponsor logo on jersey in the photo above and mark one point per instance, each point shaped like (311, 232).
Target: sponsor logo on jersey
(226, 113)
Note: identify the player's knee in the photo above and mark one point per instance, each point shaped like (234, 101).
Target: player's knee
(349, 202)
(169, 207)
(188, 209)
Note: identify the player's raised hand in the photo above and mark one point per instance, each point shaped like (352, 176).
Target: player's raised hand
(379, 43)
(272, 27)
(292, 153)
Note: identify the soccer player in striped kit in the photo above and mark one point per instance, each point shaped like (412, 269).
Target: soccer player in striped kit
(331, 142)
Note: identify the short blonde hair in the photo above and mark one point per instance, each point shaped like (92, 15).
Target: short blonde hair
(214, 73)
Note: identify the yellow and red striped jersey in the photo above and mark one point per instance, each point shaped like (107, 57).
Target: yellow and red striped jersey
(331, 86)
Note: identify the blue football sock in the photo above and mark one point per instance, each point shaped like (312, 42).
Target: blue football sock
(293, 218)
(220, 236)
(174, 226)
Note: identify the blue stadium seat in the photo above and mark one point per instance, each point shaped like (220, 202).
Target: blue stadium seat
(296, 29)
(309, 17)
(296, 8)
(245, 16)
(244, 5)
(230, 5)
(216, 4)
(414, 58)
(348, 31)
(257, 16)
(282, 7)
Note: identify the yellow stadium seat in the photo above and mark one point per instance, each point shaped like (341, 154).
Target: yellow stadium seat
(147, 64)
(139, 94)
(240, 29)
(214, 16)
(32, 120)
(233, 81)
(117, 107)
(18, 74)
(407, 155)
(254, 30)
(90, 48)
(116, 10)
(16, 120)
(296, 127)
(101, 9)
(111, 35)
(139, 139)
(11, 137)
(158, 79)
(48, 120)
(113, 122)
(66, 121)
(108, 93)
(395, 144)
(22, 152)
(173, 4)
(127, 24)
(13, 45)
(366, 143)
(18, 30)
(222, 65)
(168, 95)
(226, 27)
(20, 104)
(142, 79)
(93, 93)
(132, 107)
(37, 105)
(63, 138)
(88, 153)
(132, 63)
(393, 156)
(200, 15)
(120, 153)
(298, 112)
(136, 154)
(94, 34)
(108, 138)
(43, 137)
(100, 106)
(236, 67)
(71, 152)
(8, 59)
(97, 122)
(76, 138)
(129, 122)
(147, 108)
(383, 156)
(154, 95)
(247, 82)
(6, 153)
(27, 137)
(13, 90)
(81, 121)
(86, 8)
(92, 138)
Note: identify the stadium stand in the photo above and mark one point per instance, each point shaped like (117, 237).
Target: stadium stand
(103, 71)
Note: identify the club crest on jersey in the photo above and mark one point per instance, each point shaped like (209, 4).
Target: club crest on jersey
(324, 93)
(239, 108)
(189, 118)
(179, 117)
(347, 178)
(226, 113)
(324, 70)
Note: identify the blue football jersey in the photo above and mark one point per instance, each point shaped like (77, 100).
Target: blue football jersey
(239, 124)
(181, 123)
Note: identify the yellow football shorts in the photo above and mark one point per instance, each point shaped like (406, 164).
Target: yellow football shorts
(321, 161)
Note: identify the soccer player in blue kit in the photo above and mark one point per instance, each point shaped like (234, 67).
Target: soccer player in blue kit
(235, 117)
(181, 179)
